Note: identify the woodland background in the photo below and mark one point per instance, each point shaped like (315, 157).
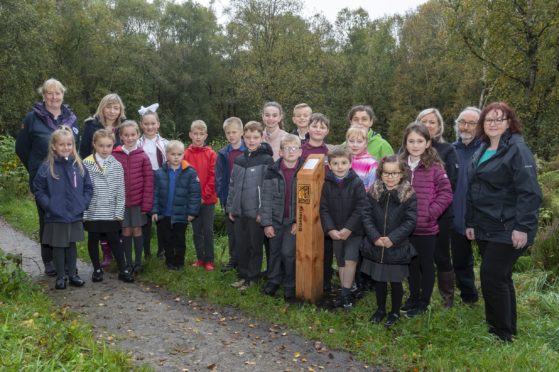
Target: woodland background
(446, 54)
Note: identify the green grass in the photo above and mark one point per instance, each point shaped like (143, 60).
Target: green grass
(35, 335)
(442, 340)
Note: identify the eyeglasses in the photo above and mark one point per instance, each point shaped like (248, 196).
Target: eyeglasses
(465, 123)
(495, 121)
(391, 174)
(291, 149)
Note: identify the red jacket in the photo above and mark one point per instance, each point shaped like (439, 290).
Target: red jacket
(138, 178)
(434, 195)
(203, 159)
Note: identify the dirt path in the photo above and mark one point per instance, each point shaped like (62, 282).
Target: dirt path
(177, 334)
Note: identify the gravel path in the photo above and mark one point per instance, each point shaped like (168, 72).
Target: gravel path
(177, 334)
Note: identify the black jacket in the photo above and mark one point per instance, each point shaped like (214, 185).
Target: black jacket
(92, 125)
(504, 194)
(341, 203)
(391, 213)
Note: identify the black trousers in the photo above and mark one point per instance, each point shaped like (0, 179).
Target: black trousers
(422, 269)
(328, 260)
(497, 260)
(203, 233)
(463, 261)
(146, 236)
(250, 239)
(442, 249)
(281, 265)
(233, 256)
(173, 241)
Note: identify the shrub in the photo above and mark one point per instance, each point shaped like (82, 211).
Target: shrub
(11, 276)
(13, 175)
(545, 251)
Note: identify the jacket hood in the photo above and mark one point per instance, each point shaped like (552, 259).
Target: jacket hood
(199, 149)
(404, 190)
(68, 117)
(277, 165)
(264, 148)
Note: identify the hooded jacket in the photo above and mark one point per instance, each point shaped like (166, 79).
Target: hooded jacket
(107, 203)
(186, 201)
(341, 203)
(65, 199)
(391, 213)
(202, 159)
(138, 178)
(504, 194)
(378, 146)
(222, 172)
(245, 186)
(32, 142)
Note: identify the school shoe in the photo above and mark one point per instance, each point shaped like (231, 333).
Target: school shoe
(209, 266)
(392, 318)
(49, 269)
(378, 316)
(289, 295)
(126, 276)
(408, 305)
(76, 281)
(60, 283)
(239, 283)
(356, 292)
(198, 263)
(97, 275)
(347, 303)
(270, 289)
(418, 310)
(137, 269)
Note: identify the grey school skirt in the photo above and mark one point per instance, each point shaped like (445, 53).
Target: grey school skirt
(133, 217)
(62, 234)
(384, 272)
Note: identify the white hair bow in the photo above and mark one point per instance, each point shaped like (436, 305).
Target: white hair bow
(153, 108)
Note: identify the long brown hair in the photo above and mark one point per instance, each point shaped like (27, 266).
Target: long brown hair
(430, 156)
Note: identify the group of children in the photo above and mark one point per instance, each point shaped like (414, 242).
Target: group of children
(377, 210)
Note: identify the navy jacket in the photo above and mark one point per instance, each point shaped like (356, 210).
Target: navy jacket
(64, 199)
(92, 125)
(222, 172)
(341, 204)
(504, 194)
(464, 153)
(32, 142)
(187, 199)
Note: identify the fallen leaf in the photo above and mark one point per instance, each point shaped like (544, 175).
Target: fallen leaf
(211, 366)
(296, 354)
(178, 299)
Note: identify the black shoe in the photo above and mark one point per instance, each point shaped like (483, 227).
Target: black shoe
(416, 311)
(137, 269)
(347, 302)
(60, 283)
(378, 316)
(337, 301)
(97, 275)
(172, 267)
(270, 289)
(356, 292)
(49, 269)
(126, 276)
(392, 318)
(228, 267)
(289, 295)
(76, 281)
(408, 305)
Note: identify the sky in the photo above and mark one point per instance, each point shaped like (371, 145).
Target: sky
(330, 8)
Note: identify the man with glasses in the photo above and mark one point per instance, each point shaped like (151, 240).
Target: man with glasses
(466, 145)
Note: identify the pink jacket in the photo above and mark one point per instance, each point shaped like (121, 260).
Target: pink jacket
(434, 195)
(138, 178)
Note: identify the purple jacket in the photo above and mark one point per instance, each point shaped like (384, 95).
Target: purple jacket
(434, 195)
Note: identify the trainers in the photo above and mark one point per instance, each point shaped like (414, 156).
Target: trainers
(416, 311)
(408, 305)
(246, 285)
(270, 289)
(76, 281)
(97, 275)
(229, 267)
(209, 266)
(392, 318)
(198, 263)
(137, 269)
(239, 283)
(60, 283)
(347, 302)
(378, 316)
(356, 292)
(126, 276)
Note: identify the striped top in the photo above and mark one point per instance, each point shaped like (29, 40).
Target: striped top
(366, 167)
(107, 203)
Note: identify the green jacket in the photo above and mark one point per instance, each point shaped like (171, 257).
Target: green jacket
(378, 147)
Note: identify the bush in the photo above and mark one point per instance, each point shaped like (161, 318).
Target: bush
(545, 251)
(13, 175)
(11, 276)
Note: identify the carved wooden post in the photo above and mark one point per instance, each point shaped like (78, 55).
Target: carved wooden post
(310, 237)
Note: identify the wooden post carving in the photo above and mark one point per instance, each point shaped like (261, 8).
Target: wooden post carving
(310, 237)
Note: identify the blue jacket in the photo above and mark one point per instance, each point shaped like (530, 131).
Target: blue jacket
(187, 199)
(32, 142)
(222, 172)
(64, 199)
(464, 154)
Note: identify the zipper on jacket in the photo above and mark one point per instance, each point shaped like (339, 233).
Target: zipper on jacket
(384, 232)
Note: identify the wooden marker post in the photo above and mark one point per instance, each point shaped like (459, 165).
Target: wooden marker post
(310, 237)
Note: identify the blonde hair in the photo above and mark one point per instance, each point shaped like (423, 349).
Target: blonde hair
(254, 126)
(103, 133)
(438, 137)
(127, 124)
(300, 106)
(199, 125)
(174, 144)
(63, 131)
(356, 132)
(290, 139)
(110, 99)
(233, 121)
(51, 83)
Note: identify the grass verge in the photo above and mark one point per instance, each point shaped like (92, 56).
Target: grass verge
(442, 340)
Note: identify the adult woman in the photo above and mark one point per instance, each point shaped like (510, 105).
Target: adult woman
(501, 211)
(433, 120)
(32, 143)
(109, 114)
